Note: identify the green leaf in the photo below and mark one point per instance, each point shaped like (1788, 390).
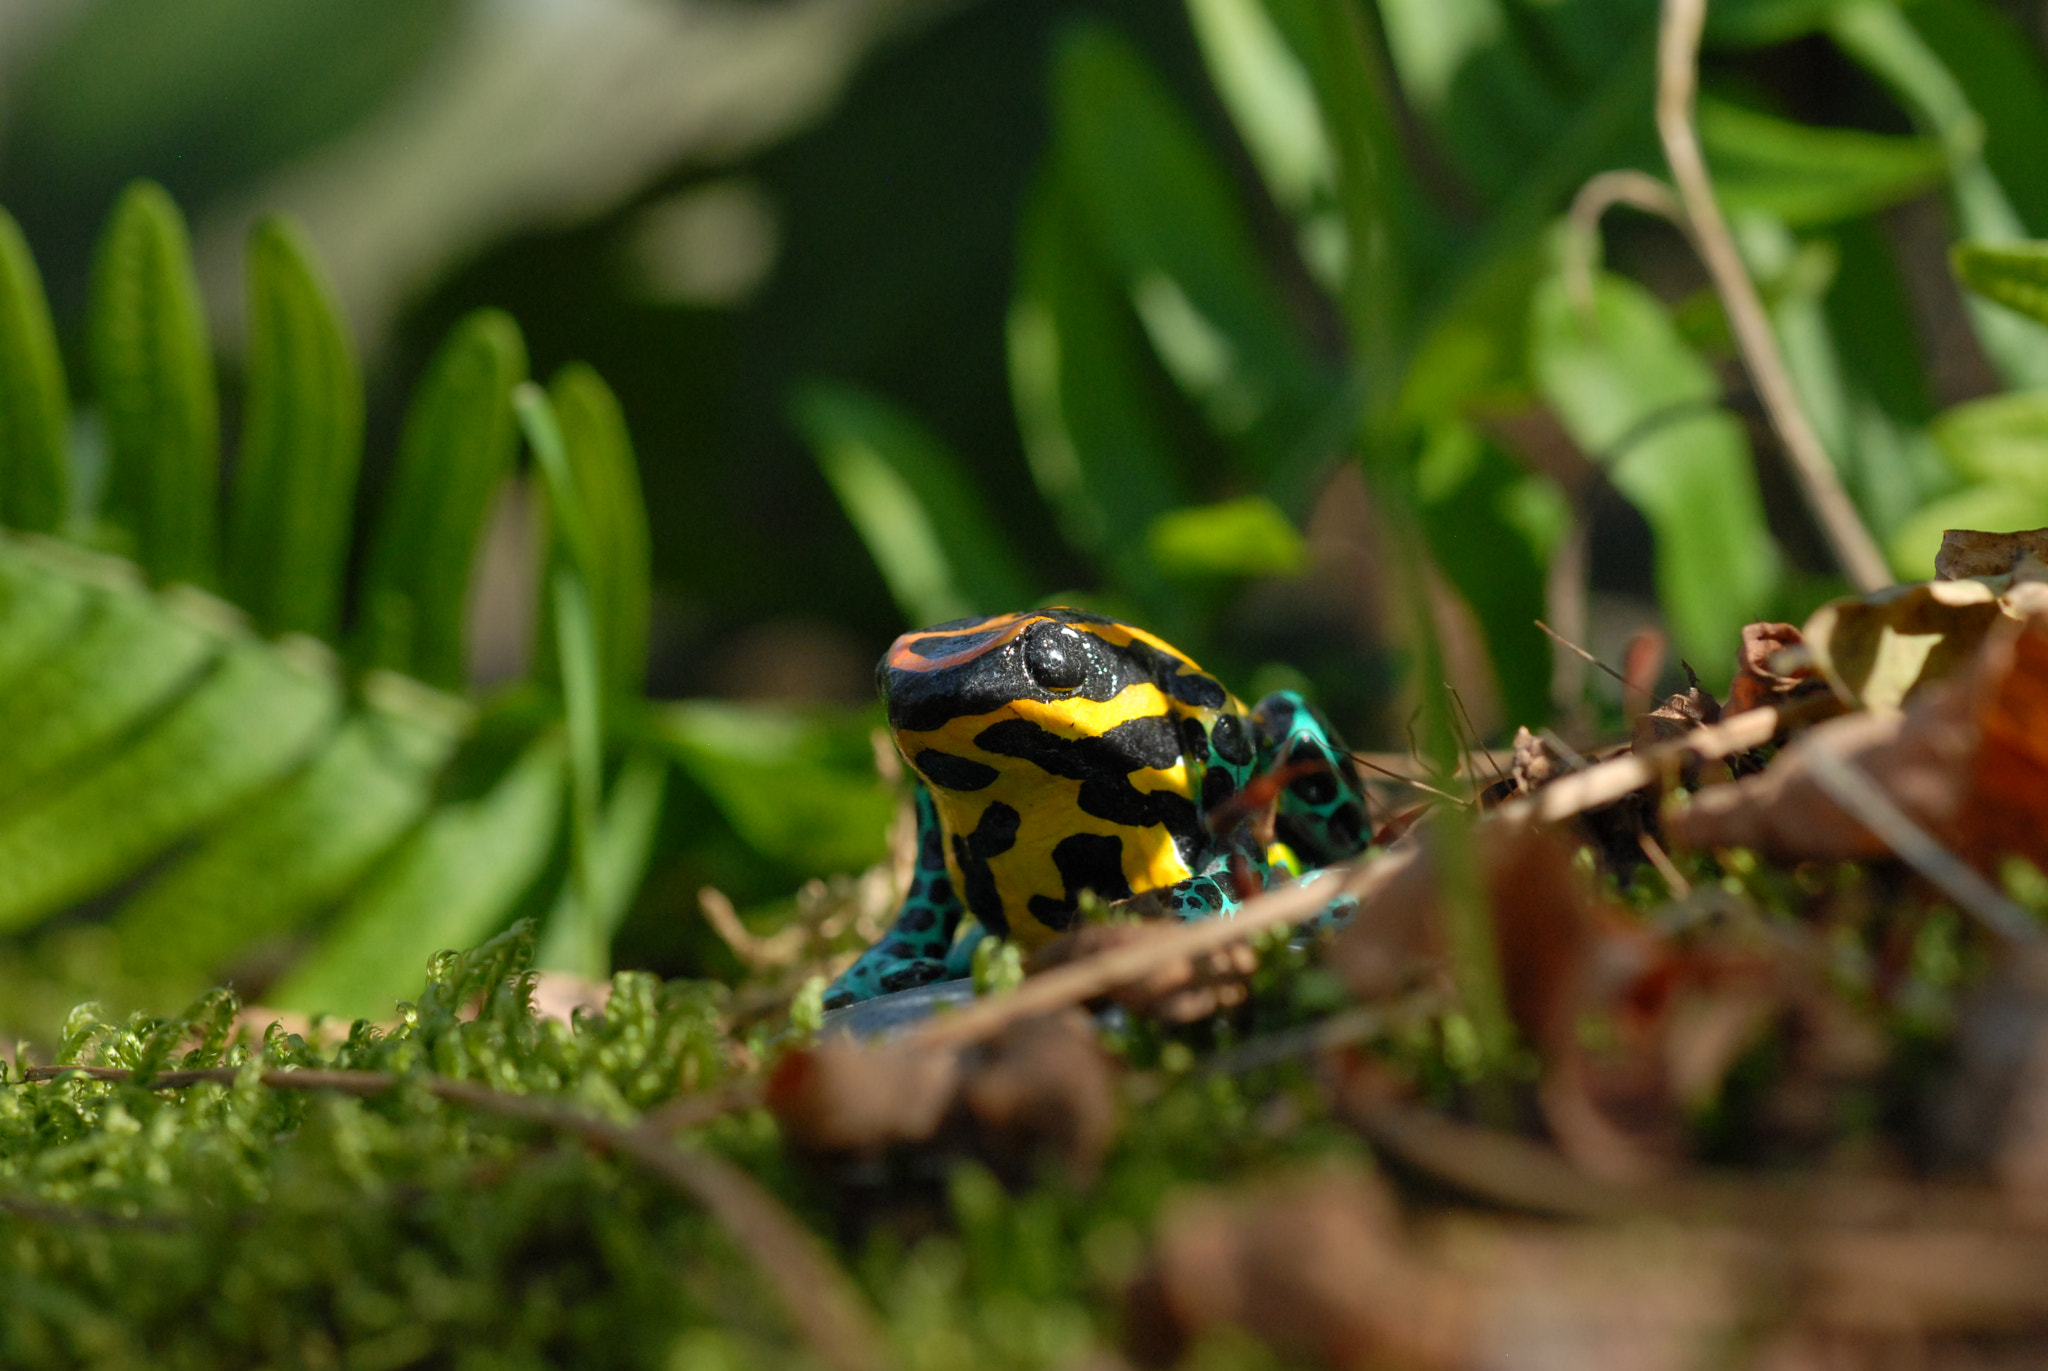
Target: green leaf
(1999, 447)
(2013, 274)
(578, 933)
(295, 476)
(600, 456)
(152, 372)
(2002, 73)
(799, 788)
(456, 447)
(1089, 403)
(914, 504)
(1805, 175)
(1169, 219)
(124, 660)
(454, 881)
(252, 719)
(300, 845)
(1248, 536)
(35, 472)
(1880, 37)
(1636, 398)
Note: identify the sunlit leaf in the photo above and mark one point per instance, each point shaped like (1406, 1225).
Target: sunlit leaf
(914, 504)
(579, 930)
(1243, 537)
(35, 468)
(289, 512)
(152, 373)
(600, 452)
(456, 446)
(2013, 274)
(795, 787)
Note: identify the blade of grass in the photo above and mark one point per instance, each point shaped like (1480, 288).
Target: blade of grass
(152, 372)
(35, 473)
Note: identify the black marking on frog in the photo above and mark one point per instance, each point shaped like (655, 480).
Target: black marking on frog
(993, 836)
(1103, 765)
(1086, 861)
(949, 772)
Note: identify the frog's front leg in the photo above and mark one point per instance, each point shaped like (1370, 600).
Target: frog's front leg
(915, 949)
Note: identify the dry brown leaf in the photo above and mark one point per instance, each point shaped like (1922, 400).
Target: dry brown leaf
(1313, 1265)
(1879, 651)
(1044, 1092)
(1967, 552)
(1759, 679)
(1967, 762)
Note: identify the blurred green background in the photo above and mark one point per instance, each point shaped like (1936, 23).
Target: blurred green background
(914, 309)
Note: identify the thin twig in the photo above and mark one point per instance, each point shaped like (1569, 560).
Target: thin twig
(1080, 981)
(1848, 786)
(1678, 45)
(1636, 189)
(1570, 646)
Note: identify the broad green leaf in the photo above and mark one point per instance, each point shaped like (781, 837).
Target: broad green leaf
(453, 882)
(1805, 175)
(294, 485)
(1088, 401)
(152, 373)
(1170, 221)
(600, 453)
(1999, 447)
(1638, 400)
(914, 504)
(41, 613)
(124, 661)
(578, 933)
(35, 471)
(456, 447)
(2013, 274)
(798, 788)
(298, 846)
(255, 716)
(1248, 536)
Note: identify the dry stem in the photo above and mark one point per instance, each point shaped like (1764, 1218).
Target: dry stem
(1678, 45)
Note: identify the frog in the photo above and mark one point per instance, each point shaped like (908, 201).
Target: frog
(1057, 754)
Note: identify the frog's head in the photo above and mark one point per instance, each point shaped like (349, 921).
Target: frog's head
(1063, 750)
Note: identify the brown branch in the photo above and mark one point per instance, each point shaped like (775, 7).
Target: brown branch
(1637, 190)
(1678, 46)
(817, 1295)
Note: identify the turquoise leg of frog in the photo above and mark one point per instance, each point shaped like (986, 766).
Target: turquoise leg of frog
(1321, 816)
(915, 949)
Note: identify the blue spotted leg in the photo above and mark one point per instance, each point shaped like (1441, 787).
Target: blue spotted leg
(917, 946)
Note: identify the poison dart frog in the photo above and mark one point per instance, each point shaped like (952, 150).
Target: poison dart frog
(1057, 752)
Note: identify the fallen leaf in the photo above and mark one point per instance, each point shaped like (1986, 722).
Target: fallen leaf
(1183, 991)
(1967, 552)
(1760, 677)
(1878, 651)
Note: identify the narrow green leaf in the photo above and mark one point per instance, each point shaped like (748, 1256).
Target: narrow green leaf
(600, 456)
(2013, 274)
(456, 447)
(1633, 395)
(294, 487)
(915, 505)
(1884, 41)
(35, 472)
(1086, 399)
(251, 720)
(1805, 175)
(2003, 74)
(578, 934)
(294, 848)
(583, 711)
(152, 371)
(452, 883)
(1170, 220)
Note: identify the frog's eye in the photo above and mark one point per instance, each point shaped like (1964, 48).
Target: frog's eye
(1055, 657)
